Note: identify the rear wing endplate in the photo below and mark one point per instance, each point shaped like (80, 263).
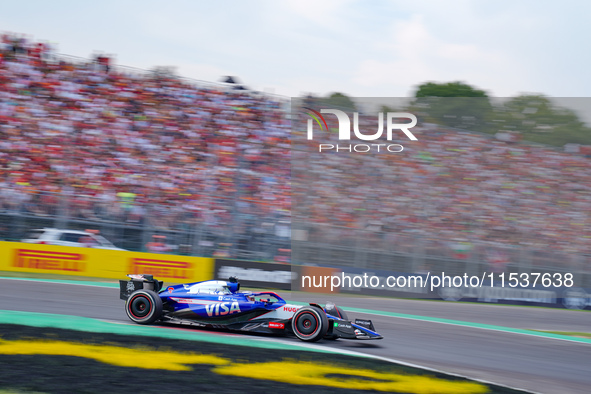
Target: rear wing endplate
(137, 282)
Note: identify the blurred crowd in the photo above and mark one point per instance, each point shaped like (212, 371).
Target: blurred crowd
(151, 147)
(119, 143)
(451, 185)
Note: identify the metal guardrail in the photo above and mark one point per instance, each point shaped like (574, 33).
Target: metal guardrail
(131, 225)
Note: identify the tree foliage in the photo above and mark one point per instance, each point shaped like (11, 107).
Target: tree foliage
(450, 89)
(339, 100)
(535, 117)
(538, 119)
(454, 104)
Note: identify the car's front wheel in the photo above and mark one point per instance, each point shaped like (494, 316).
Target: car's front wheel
(309, 324)
(144, 306)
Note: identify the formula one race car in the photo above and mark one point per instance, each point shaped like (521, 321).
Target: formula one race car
(220, 304)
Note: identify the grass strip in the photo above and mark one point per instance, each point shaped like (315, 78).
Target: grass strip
(569, 333)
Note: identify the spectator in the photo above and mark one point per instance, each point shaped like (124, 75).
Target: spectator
(158, 244)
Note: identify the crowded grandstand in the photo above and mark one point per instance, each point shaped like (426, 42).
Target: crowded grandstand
(209, 166)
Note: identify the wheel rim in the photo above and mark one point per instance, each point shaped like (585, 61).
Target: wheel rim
(140, 306)
(306, 324)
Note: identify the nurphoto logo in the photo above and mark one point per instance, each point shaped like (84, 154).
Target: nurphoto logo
(345, 131)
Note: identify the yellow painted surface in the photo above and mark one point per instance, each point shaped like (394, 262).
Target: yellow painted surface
(308, 373)
(115, 355)
(287, 371)
(102, 263)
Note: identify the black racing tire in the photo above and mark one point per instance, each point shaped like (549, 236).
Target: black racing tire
(143, 307)
(309, 324)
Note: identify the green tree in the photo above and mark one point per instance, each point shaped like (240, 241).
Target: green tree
(450, 89)
(453, 104)
(538, 119)
(339, 100)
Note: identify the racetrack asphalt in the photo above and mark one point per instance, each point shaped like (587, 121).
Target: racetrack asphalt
(533, 363)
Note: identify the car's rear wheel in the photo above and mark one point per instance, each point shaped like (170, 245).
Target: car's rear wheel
(309, 324)
(144, 306)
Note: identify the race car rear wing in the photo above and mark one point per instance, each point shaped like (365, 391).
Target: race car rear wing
(143, 281)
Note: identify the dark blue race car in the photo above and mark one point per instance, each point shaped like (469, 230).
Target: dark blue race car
(220, 304)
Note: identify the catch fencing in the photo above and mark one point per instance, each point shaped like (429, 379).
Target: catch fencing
(250, 230)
